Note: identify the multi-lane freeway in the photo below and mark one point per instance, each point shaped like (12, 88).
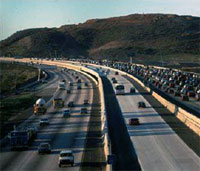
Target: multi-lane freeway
(156, 145)
(62, 133)
(151, 145)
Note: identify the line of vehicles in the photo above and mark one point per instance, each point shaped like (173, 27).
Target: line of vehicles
(22, 137)
(120, 90)
(62, 84)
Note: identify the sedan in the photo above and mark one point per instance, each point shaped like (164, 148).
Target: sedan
(66, 113)
(134, 121)
(141, 104)
(44, 121)
(44, 148)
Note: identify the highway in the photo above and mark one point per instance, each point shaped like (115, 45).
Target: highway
(62, 133)
(152, 145)
(157, 146)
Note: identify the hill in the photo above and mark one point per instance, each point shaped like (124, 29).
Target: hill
(149, 37)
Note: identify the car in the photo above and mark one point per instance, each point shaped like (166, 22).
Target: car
(191, 94)
(44, 121)
(68, 91)
(85, 102)
(184, 91)
(66, 113)
(70, 83)
(84, 110)
(79, 81)
(177, 93)
(114, 81)
(33, 130)
(44, 148)
(116, 73)
(134, 121)
(141, 104)
(71, 104)
(78, 87)
(132, 90)
(66, 157)
(185, 98)
(86, 84)
(113, 78)
(197, 97)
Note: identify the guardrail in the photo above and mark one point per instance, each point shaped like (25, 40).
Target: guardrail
(98, 82)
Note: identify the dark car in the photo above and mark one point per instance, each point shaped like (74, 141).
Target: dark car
(141, 104)
(114, 81)
(79, 81)
(44, 121)
(85, 102)
(68, 91)
(67, 113)
(44, 148)
(71, 104)
(84, 110)
(116, 73)
(113, 78)
(134, 121)
(132, 90)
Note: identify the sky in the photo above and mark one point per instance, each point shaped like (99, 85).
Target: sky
(18, 15)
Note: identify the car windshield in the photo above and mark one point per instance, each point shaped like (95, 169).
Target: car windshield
(44, 119)
(44, 145)
(66, 154)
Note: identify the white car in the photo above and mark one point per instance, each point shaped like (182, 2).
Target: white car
(66, 157)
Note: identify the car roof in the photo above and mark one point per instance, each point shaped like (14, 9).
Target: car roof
(44, 119)
(66, 151)
(44, 143)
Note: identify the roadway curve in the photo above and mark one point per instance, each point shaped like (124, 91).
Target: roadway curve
(62, 133)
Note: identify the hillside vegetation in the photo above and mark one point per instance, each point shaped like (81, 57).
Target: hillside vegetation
(14, 75)
(145, 37)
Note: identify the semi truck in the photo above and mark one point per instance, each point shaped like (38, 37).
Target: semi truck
(39, 107)
(20, 139)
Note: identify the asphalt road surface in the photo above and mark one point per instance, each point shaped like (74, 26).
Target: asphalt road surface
(157, 145)
(62, 133)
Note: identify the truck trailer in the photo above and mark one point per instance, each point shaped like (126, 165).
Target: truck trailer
(39, 107)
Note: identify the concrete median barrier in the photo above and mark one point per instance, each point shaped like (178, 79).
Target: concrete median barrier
(85, 71)
(187, 118)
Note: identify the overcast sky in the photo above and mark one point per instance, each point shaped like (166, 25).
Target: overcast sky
(22, 14)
